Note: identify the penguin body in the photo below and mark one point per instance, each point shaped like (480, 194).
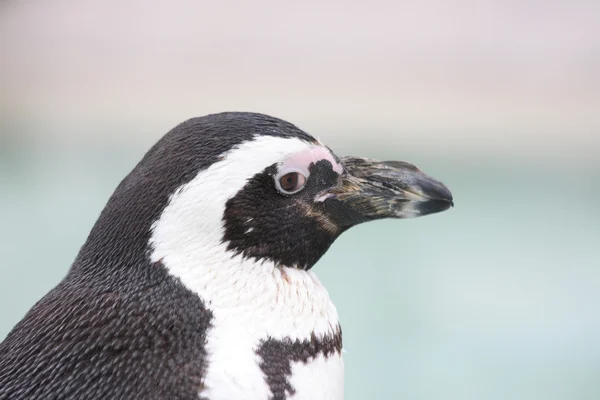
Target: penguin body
(196, 280)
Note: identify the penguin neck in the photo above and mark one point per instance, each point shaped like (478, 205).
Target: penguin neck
(260, 296)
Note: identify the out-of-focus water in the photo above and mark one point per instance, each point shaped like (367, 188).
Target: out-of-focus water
(497, 298)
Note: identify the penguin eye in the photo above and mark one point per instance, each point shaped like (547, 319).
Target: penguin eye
(291, 182)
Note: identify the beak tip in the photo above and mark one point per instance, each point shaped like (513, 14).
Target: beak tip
(436, 190)
(439, 199)
(448, 199)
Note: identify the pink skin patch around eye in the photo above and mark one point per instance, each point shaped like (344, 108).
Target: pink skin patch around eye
(302, 160)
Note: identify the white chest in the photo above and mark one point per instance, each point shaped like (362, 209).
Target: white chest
(323, 378)
(257, 302)
(240, 376)
(287, 311)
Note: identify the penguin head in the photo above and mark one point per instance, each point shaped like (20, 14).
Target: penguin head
(250, 186)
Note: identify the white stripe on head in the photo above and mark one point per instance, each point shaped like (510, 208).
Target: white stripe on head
(250, 300)
(193, 219)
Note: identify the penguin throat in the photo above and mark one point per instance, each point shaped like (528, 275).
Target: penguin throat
(268, 299)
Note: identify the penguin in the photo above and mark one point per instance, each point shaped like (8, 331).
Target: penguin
(196, 281)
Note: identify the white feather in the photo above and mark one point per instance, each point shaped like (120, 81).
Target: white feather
(250, 300)
(319, 376)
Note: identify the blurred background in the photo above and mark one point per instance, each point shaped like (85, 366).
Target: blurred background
(497, 298)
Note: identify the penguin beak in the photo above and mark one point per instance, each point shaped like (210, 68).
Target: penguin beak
(373, 189)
